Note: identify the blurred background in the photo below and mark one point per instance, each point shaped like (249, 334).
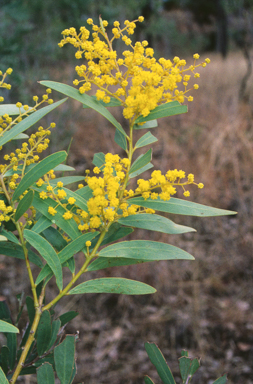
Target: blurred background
(204, 306)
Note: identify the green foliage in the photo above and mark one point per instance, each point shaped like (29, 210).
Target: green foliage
(187, 367)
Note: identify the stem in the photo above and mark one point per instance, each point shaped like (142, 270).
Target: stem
(64, 292)
(27, 346)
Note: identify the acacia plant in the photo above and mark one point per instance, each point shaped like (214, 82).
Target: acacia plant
(45, 223)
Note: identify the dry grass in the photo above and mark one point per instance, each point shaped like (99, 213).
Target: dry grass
(205, 305)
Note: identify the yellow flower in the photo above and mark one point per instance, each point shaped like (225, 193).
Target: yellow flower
(71, 200)
(52, 211)
(88, 243)
(67, 215)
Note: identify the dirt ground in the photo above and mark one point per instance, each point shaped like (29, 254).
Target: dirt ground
(204, 306)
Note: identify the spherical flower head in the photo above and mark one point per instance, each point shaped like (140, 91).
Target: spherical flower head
(9, 71)
(71, 200)
(51, 211)
(88, 243)
(190, 178)
(59, 184)
(89, 21)
(67, 215)
(200, 185)
(186, 193)
(196, 56)
(140, 19)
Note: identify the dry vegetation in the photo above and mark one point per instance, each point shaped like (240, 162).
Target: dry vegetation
(204, 306)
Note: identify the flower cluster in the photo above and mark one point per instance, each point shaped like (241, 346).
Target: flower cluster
(27, 154)
(137, 79)
(110, 197)
(6, 121)
(5, 211)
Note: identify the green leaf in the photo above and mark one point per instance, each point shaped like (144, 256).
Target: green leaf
(30, 308)
(154, 222)
(115, 233)
(67, 317)
(67, 252)
(5, 311)
(55, 238)
(63, 168)
(141, 170)
(221, 380)
(21, 136)
(86, 193)
(12, 345)
(98, 159)
(84, 99)
(184, 366)
(38, 171)
(145, 250)
(56, 325)
(108, 262)
(141, 161)
(120, 139)
(42, 224)
(45, 374)
(4, 358)
(3, 379)
(24, 205)
(15, 250)
(44, 332)
(113, 285)
(156, 357)
(12, 110)
(180, 207)
(146, 139)
(147, 380)
(28, 122)
(10, 236)
(66, 180)
(194, 366)
(147, 125)
(7, 327)
(3, 238)
(68, 226)
(169, 109)
(113, 102)
(64, 356)
(47, 252)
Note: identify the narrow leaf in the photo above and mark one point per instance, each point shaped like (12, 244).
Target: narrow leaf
(47, 252)
(30, 308)
(45, 374)
(180, 207)
(108, 262)
(28, 122)
(3, 379)
(147, 125)
(42, 224)
(113, 285)
(169, 109)
(12, 345)
(67, 252)
(147, 380)
(221, 380)
(145, 250)
(154, 222)
(84, 99)
(7, 327)
(141, 161)
(146, 139)
(98, 159)
(4, 359)
(67, 317)
(156, 357)
(15, 250)
(12, 110)
(194, 366)
(63, 168)
(55, 238)
(64, 356)
(56, 324)
(24, 205)
(120, 139)
(43, 334)
(10, 236)
(38, 171)
(141, 170)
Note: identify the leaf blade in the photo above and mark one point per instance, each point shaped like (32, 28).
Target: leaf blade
(113, 285)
